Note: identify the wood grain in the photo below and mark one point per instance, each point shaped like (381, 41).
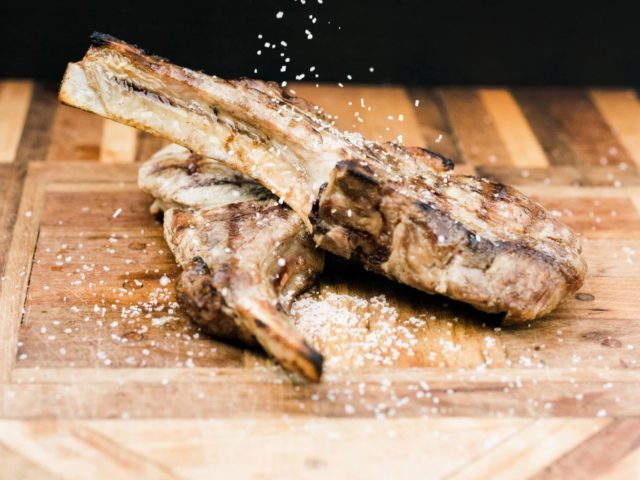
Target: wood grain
(521, 455)
(599, 453)
(118, 143)
(17, 272)
(273, 448)
(627, 467)
(75, 135)
(101, 373)
(16, 466)
(378, 113)
(514, 130)
(571, 128)
(94, 455)
(474, 128)
(32, 148)
(621, 110)
(15, 96)
(431, 115)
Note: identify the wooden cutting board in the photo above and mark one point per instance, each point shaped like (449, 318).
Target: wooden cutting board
(101, 373)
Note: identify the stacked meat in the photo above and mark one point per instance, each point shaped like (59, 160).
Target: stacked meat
(398, 211)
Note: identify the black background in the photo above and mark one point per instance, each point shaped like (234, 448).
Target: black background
(413, 42)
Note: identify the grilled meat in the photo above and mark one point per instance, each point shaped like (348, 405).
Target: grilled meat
(245, 257)
(397, 210)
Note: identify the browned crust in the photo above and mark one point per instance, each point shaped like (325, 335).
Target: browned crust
(204, 305)
(360, 215)
(256, 295)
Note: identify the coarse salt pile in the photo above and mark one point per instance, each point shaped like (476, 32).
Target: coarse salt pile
(356, 332)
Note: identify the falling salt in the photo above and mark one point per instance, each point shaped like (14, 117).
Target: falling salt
(164, 280)
(117, 213)
(279, 15)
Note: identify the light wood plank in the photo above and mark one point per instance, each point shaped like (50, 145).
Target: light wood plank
(598, 454)
(627, 468)
(15, 97)
(383, 113)
(16, 466)
(524, 149)
(621, 110)
(507, 376)
(309, 447)
(536, 445)
(13, 288)
(74, 451)
(119, 143)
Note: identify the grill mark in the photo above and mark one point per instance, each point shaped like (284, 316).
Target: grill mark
(131, 86)
(236, 181)
(481, 247)
(233, 233)
(495, 247)
(447, 163)
(193, 169)
(181, 222)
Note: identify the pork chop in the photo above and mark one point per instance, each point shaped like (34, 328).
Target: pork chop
(245, 257)
(395, 209)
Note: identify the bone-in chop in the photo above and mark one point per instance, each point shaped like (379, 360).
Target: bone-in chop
(245, 257)
(396, 210)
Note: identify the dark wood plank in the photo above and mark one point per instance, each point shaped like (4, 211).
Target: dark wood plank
(76, 135)
(434, 123)
(476, 136)
(570, 128)
(147, 146)
(36, 135)
(570, 175)
(32, 148)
